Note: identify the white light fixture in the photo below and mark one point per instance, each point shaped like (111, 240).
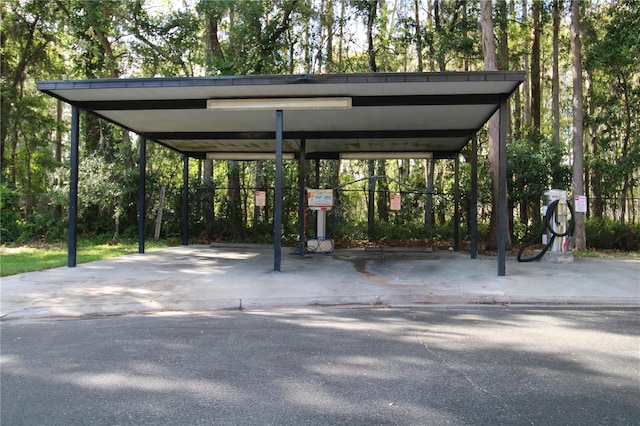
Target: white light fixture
(244, 156)
(385, 155)
(274, 104)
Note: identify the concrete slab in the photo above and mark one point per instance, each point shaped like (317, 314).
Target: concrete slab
(198, 278)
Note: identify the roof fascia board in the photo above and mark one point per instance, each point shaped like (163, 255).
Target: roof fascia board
(357, 101)
(356, 134)
(427, 100)
(468, 76)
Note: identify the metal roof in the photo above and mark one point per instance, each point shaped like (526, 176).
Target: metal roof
(390, 113)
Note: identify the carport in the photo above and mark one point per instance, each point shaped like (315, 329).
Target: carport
(351, 116)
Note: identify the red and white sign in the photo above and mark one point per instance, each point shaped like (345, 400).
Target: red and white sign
(580, 203)
(320, 197)
(396, 202)
(261, 198)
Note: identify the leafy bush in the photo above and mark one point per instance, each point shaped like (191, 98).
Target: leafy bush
(608, 234)
(9, 229)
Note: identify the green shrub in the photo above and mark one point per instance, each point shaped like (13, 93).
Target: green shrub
(9, 229)
(608, 234)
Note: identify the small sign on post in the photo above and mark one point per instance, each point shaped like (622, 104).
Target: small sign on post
(320, 197)
(396, 201)
(580, 203)
(261, 198)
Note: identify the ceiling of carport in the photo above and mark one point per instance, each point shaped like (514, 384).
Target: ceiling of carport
(390, 113)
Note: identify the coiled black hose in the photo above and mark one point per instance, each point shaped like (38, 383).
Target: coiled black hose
(547, 225)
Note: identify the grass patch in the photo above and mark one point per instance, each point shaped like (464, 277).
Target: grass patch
(606, 254)
(16, 260)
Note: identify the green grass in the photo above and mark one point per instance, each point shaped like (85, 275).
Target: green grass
(607, 254)
(19, 259)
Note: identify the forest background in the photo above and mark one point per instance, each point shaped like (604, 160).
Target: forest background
(80, 39)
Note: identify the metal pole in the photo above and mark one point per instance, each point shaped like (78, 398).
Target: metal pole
(456, 206)
(277, 214)
(73, 188)
(502, 189)
(473, 208)
(142, 177)
(301, 198)
(185, 200)
(371, 205)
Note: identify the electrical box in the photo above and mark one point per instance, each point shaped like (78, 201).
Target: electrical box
(559, 219)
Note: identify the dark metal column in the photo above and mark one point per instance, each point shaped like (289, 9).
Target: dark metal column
(473, 208)
(302, 208)
(142, 178)
(277, 213)
(73, 188)
(185, 200)
(502, 189)
(456, 206)
(371, 206)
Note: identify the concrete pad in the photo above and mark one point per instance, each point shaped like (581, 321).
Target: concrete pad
(197, 278)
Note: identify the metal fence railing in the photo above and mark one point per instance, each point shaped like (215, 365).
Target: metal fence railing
(40, 213)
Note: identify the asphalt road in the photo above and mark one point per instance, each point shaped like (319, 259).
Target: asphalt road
(476, 365)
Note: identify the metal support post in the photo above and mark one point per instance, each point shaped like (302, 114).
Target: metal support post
(473, 208)
(277, 214)
(371, 205)
(302, 209)
(142, 177)
(73, 188)
(456, 206)
(502, 189)
(185, 200)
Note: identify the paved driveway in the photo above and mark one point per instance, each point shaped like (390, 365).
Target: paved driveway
(473, 365)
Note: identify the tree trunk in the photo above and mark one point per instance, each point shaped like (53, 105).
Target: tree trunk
(330, 66)
(213, 51)
(501, 6)
(371, 165)
(490, 64)
(58, 153)
(371, 18)
(526, 86)
(504, 65)
(517, 98)
(256, 187)
(578, 122)
(319, 53)
(622, 82)
(416, 9)
(208, 197)
(404, 168)
(383, 193)
(555, 83)
(440, 179)
(536, 90)
(234, 198)
(341, 35)
(429, 170)
(439, 33)
(156, 233)
(308, 62)
(595, 177)
(430, 28)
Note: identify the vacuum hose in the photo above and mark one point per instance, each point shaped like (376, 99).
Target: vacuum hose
(547, 225)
